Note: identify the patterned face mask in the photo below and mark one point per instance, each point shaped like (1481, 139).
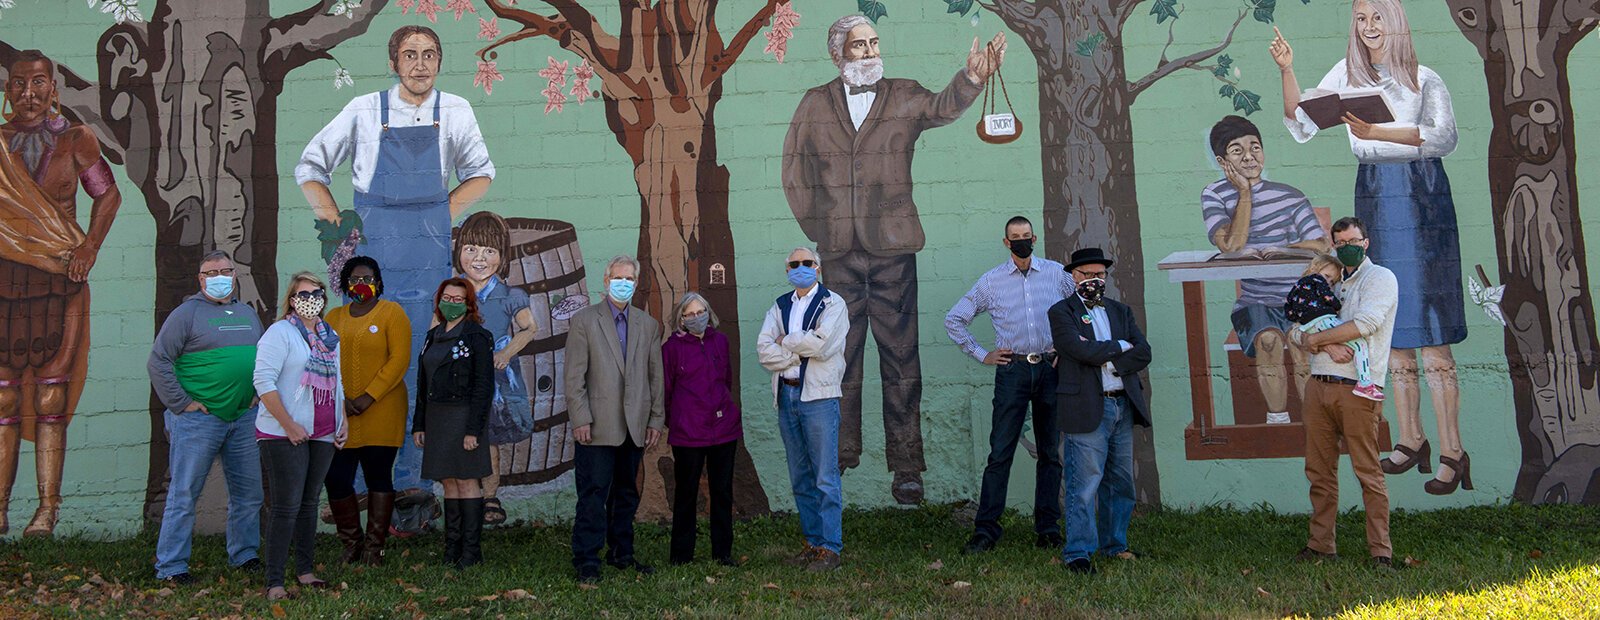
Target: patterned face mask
(1092, 290)
(309, 307)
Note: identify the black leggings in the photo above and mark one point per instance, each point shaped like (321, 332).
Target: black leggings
(377, 467)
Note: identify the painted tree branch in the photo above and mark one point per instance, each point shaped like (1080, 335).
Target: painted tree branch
(1167, 68)
(720, 64)
(558, 27)
(80, 101)
(301, 37)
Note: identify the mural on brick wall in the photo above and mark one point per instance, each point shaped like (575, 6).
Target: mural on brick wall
(183, 103)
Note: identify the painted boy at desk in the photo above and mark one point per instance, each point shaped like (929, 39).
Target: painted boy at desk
(1243, 211)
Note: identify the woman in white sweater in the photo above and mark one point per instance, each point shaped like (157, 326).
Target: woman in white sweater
(298, 427)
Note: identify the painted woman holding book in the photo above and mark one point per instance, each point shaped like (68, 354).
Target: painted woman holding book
(1403, 194)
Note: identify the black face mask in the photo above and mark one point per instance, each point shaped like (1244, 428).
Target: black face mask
(1022, 248)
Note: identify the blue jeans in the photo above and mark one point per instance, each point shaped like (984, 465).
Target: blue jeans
(195, 439)
(1098, 484)
(810, 433)
(1016, 386)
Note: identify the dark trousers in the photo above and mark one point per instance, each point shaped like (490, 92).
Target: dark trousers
(1016, 386)
(688, 463)
(881, 294)
(377, 468)
(294, 488)
(608, 497)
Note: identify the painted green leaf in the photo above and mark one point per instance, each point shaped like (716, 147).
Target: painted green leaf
(1164, 10)
(1087, 46)
(1227, 91)
(1264, 9)
(959, 7)
(873, 9)
(1246, 101)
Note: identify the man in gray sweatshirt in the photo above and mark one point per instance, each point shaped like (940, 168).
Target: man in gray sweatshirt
(200, 366)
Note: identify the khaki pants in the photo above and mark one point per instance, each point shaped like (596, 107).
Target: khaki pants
(1331, 413)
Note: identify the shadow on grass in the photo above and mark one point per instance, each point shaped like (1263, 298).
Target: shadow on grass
(1213, 562)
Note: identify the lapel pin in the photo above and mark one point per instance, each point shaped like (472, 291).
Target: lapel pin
(1087, 319)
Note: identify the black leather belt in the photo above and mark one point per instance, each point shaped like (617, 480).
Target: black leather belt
(1034, 358)
(1334, 380)
(1117, 394)
(790, 382)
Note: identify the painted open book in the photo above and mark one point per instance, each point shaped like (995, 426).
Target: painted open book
(1266, 253)
(1327, 108)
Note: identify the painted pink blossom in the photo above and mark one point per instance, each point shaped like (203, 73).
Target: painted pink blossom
(487, 76)
(405, 6)
(554, 100)
(581, 75)
(784, 20)
(489, 30)
(556, 72)
(428, 8)
(461, 7)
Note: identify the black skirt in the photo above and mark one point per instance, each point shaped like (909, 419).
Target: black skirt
(442, 454)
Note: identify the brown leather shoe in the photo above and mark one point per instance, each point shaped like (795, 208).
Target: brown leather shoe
(804, 557)
(823, 561)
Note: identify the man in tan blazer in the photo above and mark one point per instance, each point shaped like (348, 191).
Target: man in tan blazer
(614, 400)
(847, 176)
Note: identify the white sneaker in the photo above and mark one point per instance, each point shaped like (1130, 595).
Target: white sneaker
(1278, 418)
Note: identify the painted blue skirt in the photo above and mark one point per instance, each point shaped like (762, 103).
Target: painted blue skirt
(1411, 220)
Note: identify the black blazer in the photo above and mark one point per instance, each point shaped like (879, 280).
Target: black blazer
(468, 379)
(1080, 398)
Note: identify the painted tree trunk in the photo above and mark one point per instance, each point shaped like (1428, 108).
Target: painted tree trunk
(1086, 149)
(1551, 351)
(685, 244)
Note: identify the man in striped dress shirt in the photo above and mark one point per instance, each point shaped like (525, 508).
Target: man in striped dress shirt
(1244, 212)
(1017, 295)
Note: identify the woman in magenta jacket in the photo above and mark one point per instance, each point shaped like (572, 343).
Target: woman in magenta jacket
(703, 425)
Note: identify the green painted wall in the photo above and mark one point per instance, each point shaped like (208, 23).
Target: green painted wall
(567, 166)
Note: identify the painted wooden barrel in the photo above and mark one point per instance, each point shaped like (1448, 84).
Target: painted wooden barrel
(545, 262)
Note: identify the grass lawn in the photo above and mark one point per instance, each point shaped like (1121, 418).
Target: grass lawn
(1510, 561)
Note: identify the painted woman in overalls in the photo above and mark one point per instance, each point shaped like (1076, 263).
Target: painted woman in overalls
(403, 144)
(1403, 197)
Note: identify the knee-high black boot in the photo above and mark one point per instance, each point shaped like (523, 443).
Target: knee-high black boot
(452, 531)
(472, 532)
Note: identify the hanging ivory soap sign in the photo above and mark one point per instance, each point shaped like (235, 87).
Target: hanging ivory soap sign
(998, 127)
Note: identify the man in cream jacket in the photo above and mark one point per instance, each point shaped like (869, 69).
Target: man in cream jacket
(802, 343)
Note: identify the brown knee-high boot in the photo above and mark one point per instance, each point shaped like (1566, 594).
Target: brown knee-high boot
(10, 447)
(380, 507)
(50, 452)
(347, 523)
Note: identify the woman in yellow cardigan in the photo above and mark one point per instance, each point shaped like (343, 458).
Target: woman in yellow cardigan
(375, 341)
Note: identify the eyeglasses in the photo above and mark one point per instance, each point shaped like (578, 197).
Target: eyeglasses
(796, 264)
(362, 280)
(694, 315)
(217, 272)
(1090, 274)
(455, 299)
(311, 294)
(1340, 244)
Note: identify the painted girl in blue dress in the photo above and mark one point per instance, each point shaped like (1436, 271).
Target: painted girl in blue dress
(1403, 195)
(480, 252)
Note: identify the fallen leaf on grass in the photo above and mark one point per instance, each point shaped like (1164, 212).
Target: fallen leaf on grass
(344, 585)
(202, 593)
(164, 592)
(278, 612)
(518, 594)
(1246, 572)
(71, 578)
(588, 586)
(936, 565)
(441, 600)
(769, 585)
(413, 590)
(1535, 554)
(1025, 600)
(1263, 593)
(96, 579)
(1411, 562)
(711, 580)
(489, 597)
(961, 585)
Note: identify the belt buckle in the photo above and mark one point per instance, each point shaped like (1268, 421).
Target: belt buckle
(1034, 358)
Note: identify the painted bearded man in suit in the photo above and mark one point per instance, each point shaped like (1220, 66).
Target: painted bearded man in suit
(847, 176)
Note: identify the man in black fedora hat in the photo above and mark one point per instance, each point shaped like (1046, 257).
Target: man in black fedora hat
(1099, 398)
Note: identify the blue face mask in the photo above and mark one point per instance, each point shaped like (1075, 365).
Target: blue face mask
(219, 287)
(803, 277)
(620, 290)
